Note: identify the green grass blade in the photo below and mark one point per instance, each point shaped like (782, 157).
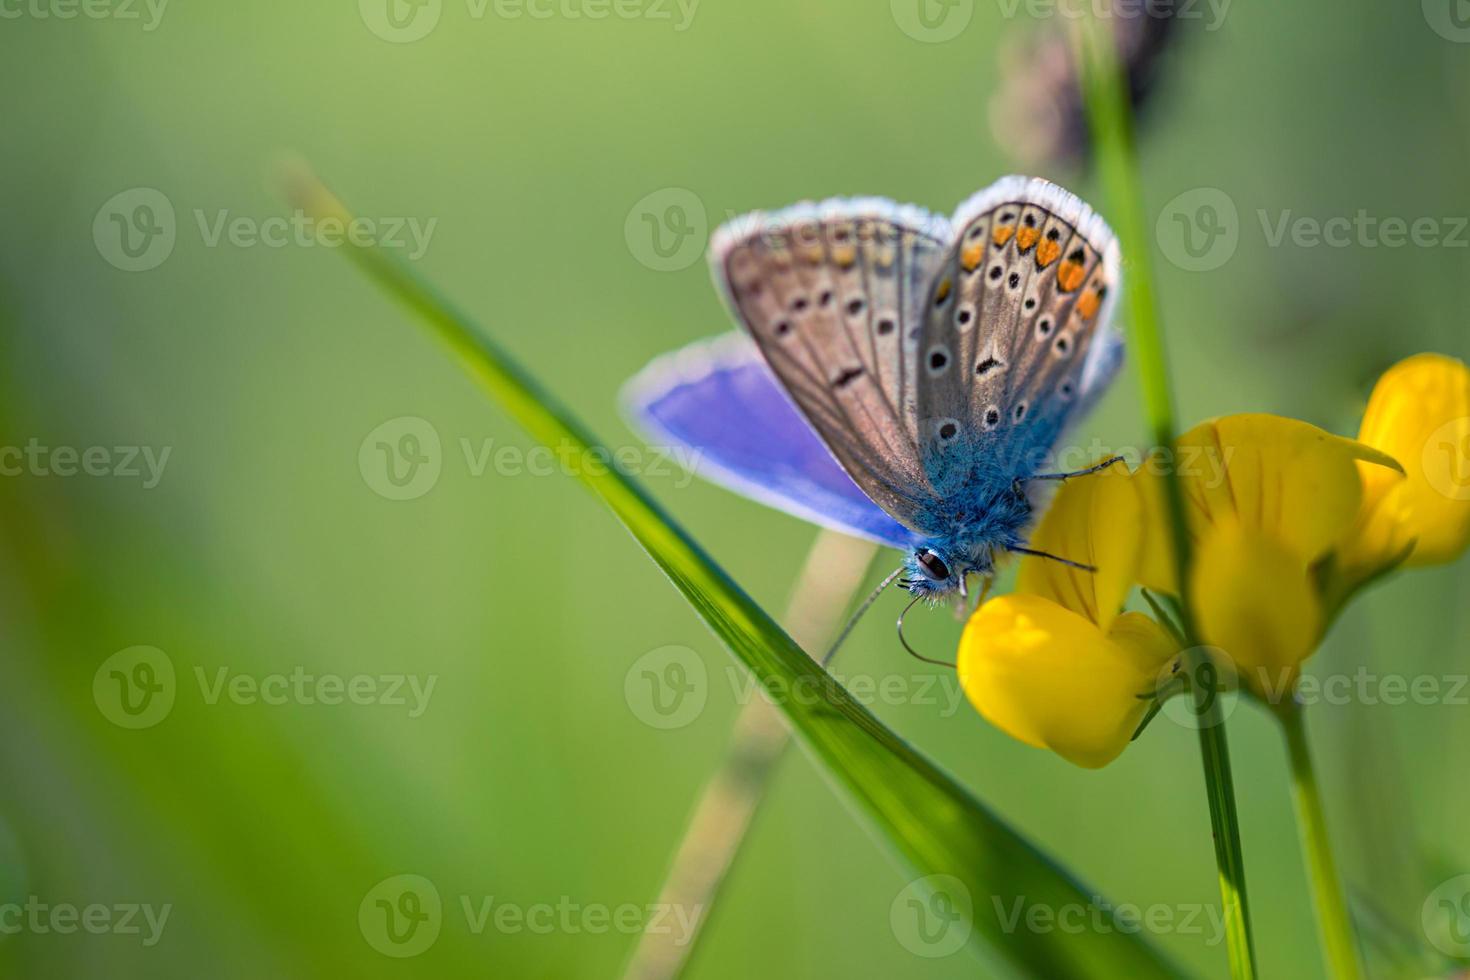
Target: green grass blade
(931, 820)
(1110, 118)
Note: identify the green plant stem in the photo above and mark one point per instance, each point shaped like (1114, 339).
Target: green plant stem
(833, 573)
(1110, 119)
(1333, 918)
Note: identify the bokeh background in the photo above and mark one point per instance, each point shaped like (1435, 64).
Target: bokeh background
(548, 152)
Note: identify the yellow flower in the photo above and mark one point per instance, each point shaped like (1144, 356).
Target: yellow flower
(1055, 664)
(1287, 522)
(1267, 500)
(1290, 522)
(1419, 413)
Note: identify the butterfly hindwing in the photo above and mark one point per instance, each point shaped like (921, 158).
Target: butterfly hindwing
(832, 295)
(1015, 336)
(688, 399)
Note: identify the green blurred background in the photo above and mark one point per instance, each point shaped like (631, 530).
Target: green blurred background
(530, 777)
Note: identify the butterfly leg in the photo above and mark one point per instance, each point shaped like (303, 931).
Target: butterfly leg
(963, 608)
(1062, 477)
(1065, 561)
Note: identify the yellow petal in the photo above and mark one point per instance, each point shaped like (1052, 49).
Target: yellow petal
(1419, 413)
(1380, 539)
(1289, 480)
(1095, 519)
(1254, 598)
(1049, 677)
(1157, 568)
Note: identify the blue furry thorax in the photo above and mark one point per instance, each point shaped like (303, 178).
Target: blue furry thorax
(975, 527)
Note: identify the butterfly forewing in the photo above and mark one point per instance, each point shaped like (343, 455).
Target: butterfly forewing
(832, 296)
(1014, 335)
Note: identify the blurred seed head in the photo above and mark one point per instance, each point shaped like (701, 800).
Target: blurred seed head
(1038, 111)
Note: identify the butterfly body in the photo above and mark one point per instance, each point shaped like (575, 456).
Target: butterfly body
(983, 524)
(936, 362)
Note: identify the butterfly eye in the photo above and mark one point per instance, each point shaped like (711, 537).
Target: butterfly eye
(933, 566)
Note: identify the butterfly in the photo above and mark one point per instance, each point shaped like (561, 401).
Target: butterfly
(902, 377)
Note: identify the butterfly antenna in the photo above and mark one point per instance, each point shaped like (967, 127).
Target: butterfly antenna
(912, 652)
(857, 614)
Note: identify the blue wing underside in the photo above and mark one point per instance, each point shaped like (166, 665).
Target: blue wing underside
(719, 400)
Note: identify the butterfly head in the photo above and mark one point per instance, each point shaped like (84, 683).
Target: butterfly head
(939, 571)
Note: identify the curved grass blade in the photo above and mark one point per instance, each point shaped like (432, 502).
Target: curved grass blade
(932, 821)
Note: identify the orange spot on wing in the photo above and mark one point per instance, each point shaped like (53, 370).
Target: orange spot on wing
(971, 257)
(1047, 253)
(1027, 237)
(1070, 275)
(1002, 234)
(943, 292)
(1087, 304)
(844, 256)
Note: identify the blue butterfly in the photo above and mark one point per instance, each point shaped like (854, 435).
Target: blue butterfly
(905, 377)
